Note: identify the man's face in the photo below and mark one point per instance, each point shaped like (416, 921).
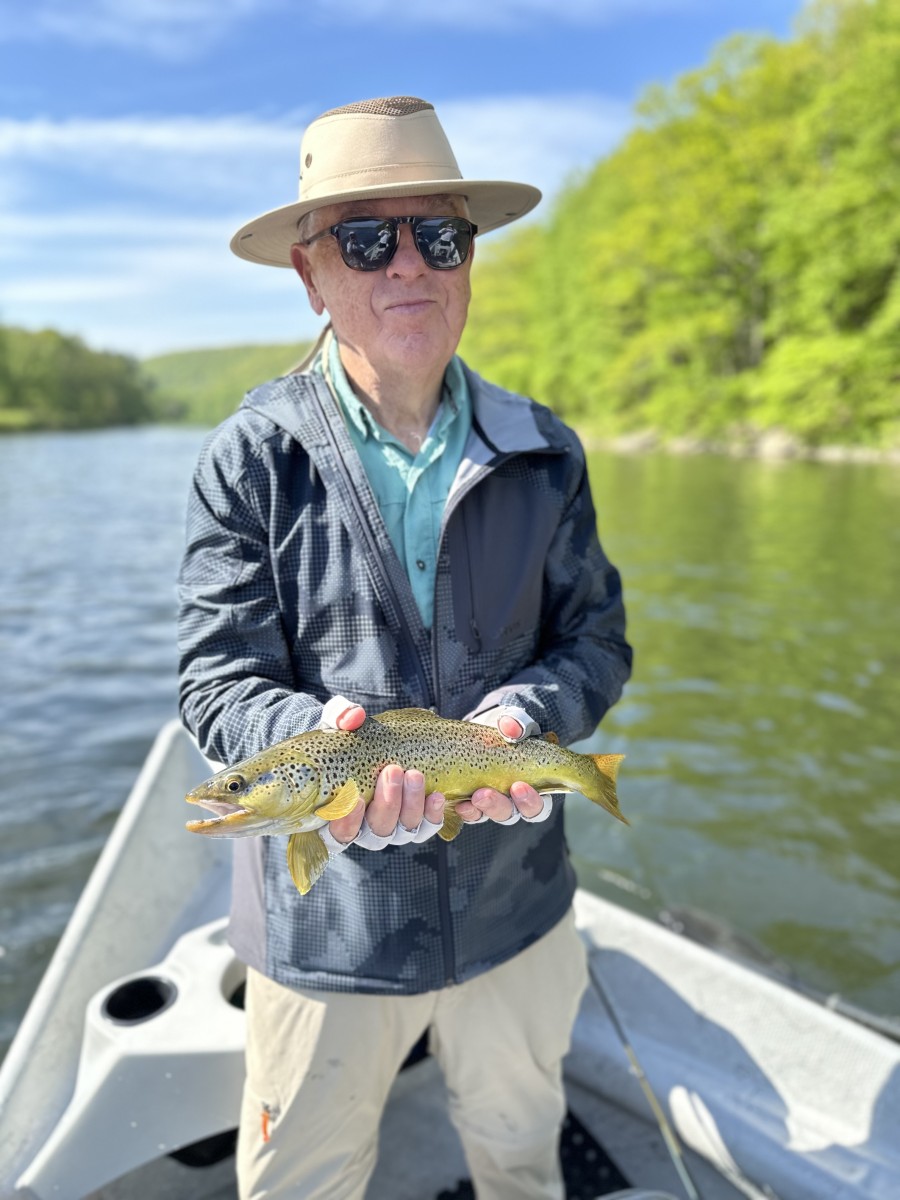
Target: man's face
(406, 316)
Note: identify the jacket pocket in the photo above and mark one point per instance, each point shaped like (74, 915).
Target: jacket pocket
(498, 549)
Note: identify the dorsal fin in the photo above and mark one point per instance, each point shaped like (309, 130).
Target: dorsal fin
(394, 716)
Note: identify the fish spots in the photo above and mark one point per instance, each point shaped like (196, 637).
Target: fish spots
(309, 771)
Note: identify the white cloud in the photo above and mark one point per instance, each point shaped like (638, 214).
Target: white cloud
(227, 161)
(142, 286)
(118, 230)
(168, 29)
(219, 159)
(186, 29)
(507, 14)
(185, 135)
(529, 139)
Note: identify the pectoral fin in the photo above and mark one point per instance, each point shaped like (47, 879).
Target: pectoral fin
(307, 859)
(342, 803)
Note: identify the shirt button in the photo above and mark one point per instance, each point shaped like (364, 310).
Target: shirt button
(420, 563)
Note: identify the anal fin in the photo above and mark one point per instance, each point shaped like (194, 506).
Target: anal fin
(452, 826)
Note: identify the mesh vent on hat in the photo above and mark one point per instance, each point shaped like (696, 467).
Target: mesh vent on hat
(387, 106)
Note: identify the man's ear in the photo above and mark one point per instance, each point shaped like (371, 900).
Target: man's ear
(301, 263)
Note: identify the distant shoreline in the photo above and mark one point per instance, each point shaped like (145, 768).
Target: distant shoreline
(766, 446)
(774, 445)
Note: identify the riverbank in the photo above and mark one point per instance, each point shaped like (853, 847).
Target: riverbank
(771, 445)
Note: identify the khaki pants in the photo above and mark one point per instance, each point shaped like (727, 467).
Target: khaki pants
(320, 1066)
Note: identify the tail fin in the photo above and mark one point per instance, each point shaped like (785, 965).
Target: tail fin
(608, 766)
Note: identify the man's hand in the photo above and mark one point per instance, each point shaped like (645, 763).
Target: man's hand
(399, 803)
(399, 797)
(486, 802)
(511, 728)
(523, 800)
(399, 800)
(340, 713)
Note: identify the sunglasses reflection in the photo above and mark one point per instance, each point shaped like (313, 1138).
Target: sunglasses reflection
(367, 244)
(444, 248)
(387, 240)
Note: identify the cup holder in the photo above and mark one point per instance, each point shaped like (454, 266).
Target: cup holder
(139, 999)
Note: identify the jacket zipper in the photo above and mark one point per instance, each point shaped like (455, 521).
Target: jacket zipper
(382, 577)
(379, 576)
(443, 849)
(448, 942)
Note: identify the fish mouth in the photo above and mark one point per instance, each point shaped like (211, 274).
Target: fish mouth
(227, 820)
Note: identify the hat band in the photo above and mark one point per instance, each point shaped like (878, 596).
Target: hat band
(381, 176)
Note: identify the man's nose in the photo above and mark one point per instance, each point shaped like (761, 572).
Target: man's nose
(407, 259)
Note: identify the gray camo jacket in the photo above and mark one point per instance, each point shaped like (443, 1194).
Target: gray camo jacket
(290, 592)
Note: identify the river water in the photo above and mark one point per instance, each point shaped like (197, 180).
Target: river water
(761, 727)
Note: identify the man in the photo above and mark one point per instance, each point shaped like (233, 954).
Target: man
(385, 529)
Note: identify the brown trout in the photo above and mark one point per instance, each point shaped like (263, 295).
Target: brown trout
(297, 785)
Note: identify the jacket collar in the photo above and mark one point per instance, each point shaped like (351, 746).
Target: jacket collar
(504, 423)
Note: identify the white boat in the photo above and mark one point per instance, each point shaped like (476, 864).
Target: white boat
(124, 1079)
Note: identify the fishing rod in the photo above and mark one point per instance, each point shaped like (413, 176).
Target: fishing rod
(731, 1172)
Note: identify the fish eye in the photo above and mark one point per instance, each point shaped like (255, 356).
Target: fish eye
(234, 783)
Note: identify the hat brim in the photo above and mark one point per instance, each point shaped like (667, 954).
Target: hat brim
(268, 239)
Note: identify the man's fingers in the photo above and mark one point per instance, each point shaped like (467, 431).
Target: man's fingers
(412, 805)
(526, 799)
(467, 811)
(499, 807)
(434, 808)
(399, 799)
(351, 718)
(493, 804)
(384, 811)
(346, 829)
(510, 728)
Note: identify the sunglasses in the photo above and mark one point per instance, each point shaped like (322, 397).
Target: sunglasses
(369, 243)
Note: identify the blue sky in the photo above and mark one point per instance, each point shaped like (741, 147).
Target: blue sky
(137, 135)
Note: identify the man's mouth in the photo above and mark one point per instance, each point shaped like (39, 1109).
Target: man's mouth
(409, 304)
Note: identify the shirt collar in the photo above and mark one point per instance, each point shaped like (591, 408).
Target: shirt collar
(454, 396)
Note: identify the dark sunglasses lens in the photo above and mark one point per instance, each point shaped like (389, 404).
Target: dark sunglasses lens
(444, 241)
(367, 244)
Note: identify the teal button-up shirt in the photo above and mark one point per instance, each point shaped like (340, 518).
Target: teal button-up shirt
(410, 489)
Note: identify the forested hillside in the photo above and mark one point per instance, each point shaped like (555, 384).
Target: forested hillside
(50, 381)
(733, 265)
(201, 387)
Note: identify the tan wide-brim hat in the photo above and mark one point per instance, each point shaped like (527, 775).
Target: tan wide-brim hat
(377, 149)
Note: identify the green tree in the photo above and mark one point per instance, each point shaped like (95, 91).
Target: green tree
(52, 381)
(733, 264)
